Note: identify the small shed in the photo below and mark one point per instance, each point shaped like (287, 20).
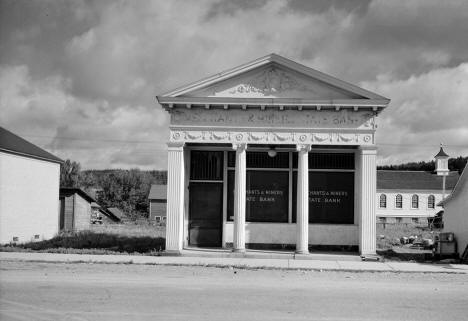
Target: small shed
(157, 203)
(456, 211)
(29, 189)
(75, 209)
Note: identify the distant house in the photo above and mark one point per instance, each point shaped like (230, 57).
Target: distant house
(410, 196)
(29, 190)
(157, 203)
(456, 211)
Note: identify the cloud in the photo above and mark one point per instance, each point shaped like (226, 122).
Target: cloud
(425, 110)
(90, 70)
(91, 132)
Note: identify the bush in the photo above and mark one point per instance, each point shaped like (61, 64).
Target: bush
(91, 240)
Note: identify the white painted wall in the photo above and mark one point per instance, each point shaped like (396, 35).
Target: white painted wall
(407, 212)
(29, 198)
(456, 216)
(284, 233)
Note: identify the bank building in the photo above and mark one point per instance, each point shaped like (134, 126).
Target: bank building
(271, 154)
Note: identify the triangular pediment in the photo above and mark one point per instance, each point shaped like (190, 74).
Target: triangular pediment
(273, 77)
(273, 81)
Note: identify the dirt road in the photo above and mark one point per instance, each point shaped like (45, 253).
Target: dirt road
(46, 291)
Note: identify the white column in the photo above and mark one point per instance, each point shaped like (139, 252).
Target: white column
(368, 181)
(302, 221)
(175, 197)
(239, 198)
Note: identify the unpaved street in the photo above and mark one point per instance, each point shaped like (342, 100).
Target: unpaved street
(40, 291)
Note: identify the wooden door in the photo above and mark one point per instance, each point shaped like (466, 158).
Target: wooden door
(205, 214)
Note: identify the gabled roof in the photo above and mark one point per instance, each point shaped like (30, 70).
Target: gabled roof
(157, 192)
(67, 191)
(413, 180)
(14, 144)
(460, 190)
(362, 97)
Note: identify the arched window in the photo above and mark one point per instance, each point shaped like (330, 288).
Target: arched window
(431, 201)
(399, 201)
(414, 201)
(383, 201)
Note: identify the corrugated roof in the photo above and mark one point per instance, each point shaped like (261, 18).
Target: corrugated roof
(158, 192)
(14, 144)
(414, 180)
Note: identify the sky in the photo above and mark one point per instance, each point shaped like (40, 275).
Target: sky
(79, 78)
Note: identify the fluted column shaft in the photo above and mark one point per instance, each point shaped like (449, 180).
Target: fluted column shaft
(175, 197)
(239, 198)
(302, 224)
(368, 182)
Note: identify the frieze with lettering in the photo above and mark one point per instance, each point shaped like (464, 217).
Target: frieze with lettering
(266, 118)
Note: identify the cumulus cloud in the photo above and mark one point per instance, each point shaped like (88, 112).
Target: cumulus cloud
(90, 70)
(425, 110)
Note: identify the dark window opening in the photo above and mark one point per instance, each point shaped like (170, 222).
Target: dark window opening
(261, 160)
(328, 160)
(267, 196)
(206, 165)
(331, 197)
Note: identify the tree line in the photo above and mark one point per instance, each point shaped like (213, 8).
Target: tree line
(125, 189)
(454, 164)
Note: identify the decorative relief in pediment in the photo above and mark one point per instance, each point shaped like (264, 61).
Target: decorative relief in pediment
(272, 82)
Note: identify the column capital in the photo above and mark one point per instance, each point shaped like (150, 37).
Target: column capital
(303, 147)
(239, 146)
(369, 150)
(175, 145)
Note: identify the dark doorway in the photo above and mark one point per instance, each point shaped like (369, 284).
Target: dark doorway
(205, 214)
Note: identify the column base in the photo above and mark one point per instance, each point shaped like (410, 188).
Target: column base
(238, 250)
(302, 252)
(172, 253)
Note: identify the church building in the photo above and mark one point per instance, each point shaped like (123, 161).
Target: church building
(271, 154)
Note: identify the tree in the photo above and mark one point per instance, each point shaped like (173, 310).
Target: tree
(70, 174)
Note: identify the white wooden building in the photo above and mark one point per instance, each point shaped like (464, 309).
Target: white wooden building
(271, 153)
(456, 212)
(410, 196)
(29, 190)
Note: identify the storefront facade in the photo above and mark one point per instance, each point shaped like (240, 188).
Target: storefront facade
(268, 154)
